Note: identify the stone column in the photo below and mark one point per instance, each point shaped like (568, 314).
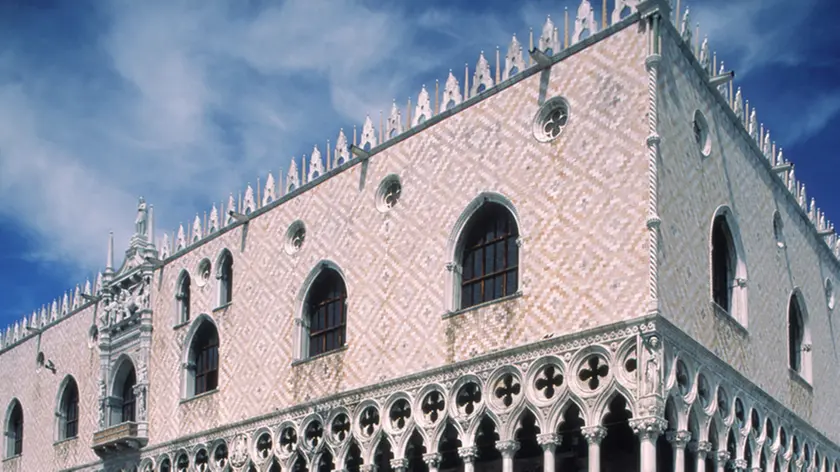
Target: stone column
(432, 460)
(702, 448)
(508, 450)
(594, 435)
(468, 455)
(549, 443)
(648, 429)
(678, 440)
(720, 460)
(401, 465)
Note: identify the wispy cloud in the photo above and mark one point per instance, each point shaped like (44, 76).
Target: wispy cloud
(814, 118)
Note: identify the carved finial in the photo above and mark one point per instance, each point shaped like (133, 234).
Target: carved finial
(780, 157)
(753, 128)
(65, 304)
(685, 28)
(250, 203)
(87, 287)
(270, 187)
(342, 150)
(549, 42)
(394, 124)
(423, 110)
(803, 197)
(482, 77)
(181, 240)
(141, 222)
(213, 225)
(368, 140)
(585, 24)
(738, 106)
(767, 148)
(77, 297)
(109, 263)
(451, 92)
(723, 88)
(98, 287)
(514, 62)
(196, 229)
(705, 57)
(165, 249)
(620, 6)
(292, 181)
(316, 165)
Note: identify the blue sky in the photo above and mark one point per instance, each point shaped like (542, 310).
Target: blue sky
(186, 102)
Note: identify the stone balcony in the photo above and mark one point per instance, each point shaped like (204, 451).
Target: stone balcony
(120, 438)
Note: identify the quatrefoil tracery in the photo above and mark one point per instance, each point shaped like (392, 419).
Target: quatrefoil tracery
(399, 414)
(549, 380)
(369, 421)
(340, 427)
(264, 445)
(313, 434)
(508, 388)
(433, 406)
(288, 439)
(468, 398)
(595, 371)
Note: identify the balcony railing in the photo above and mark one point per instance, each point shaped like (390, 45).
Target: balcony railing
(119, 438)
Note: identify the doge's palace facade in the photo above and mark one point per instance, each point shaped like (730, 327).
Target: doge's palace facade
(586, 257)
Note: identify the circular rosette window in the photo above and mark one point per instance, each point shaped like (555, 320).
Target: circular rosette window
(551, 120)
(547, 381)
(593, 373)
(295, 237)
(388, 193)
(506, 390)
(468, 398)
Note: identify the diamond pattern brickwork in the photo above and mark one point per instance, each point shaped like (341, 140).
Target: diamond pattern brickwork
(691, 189)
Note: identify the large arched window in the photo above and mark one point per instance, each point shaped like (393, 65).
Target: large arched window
(225, 276)
(489, 255)
(68, 410)
(123, 398)
(203, 361)
(14, 430)
(325, 314)
(182, 297)
(728, 270)
(799, 336)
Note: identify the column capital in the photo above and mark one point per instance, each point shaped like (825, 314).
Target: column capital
(398, 464)
(367, 468)
(701, 447)
(741, 464)
(432, 459)
(507, 448)
(593, 434)
(649, 427)
(679, 439)
(721, 456)
(468, 454)
(756, 469)
(549, 441)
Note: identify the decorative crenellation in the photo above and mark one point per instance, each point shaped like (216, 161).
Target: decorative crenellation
(429, 104)
(748, 118)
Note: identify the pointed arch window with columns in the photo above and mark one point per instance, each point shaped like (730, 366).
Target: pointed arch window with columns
(201, 359)
(323, 312)
(485, 251)
(799, 336)
(14, 429)
(728, 267)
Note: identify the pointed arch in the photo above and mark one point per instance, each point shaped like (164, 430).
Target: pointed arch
(182, 297)
(487, 230)
(224, 275)
(322, 311)
(13, 429)
(200, 358)
(123, 400)
(799, 335)
(67, 409)
(728, 268)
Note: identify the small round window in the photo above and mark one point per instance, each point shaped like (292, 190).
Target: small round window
(551, 120)
(295, 236)
(388, 193)
(701, 133)
(203, 272)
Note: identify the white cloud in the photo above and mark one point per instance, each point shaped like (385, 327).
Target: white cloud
(813, 118)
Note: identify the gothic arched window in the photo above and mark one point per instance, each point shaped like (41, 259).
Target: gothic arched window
(124, 409)
(489, 255)
(723, 263)
(68, 414)
(326, 313)
(14, 430)
(182, 297)
(799, 347)
(225, 276)
(128, 399)
(204, 360)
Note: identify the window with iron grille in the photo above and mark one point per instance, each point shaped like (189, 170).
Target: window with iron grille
(327, 313)
(128, 398)
(70, 410)
(206, 354)
(490, 257)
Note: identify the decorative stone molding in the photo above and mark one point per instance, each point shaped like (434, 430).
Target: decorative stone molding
(594, 434)
(549, 441)
(432, 459)
(507, 448)
(648, 428)
(468, 454)
(679, 439)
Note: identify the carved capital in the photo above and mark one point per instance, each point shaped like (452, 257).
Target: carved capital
(549, 441)
(507, 448)
(399, 464)
(653, 140)
(678, 439)
(648, 428)
(594, 434)
(721, 456)
(653, 61)
(468, 454)
(741, 464)
(756, 469)
(367, 468)
(432, 459)
(702, 447)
